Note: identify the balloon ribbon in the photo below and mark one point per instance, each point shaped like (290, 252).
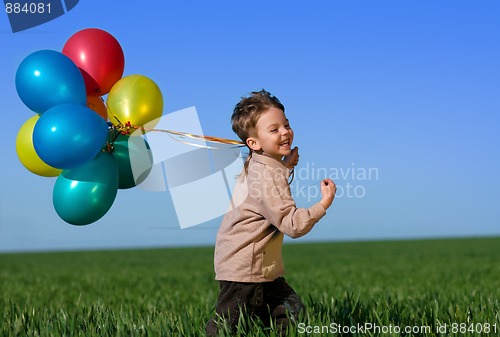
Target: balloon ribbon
(126, 129)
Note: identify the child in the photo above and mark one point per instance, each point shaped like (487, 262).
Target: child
(248, 262)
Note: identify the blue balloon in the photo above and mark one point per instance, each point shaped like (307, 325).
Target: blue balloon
(84, 194)
(68, 135)
(47, 78)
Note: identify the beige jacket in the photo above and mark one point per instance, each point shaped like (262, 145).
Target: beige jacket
(249, 241)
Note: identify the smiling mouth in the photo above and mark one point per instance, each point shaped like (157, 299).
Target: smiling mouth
(285, 143)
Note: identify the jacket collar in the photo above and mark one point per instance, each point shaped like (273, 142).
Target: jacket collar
(270, 161)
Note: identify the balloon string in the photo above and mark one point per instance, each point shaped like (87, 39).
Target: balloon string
(194, 144)
(292, 175)
(210, 139)
(125, 129)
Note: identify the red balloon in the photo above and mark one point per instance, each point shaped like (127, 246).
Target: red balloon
(99, 57)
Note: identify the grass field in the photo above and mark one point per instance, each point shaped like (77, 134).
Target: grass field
(434, 288)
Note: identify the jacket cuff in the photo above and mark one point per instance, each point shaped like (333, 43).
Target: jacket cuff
(317, 211)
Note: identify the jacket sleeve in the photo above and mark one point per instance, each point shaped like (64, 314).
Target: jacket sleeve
(280, 209)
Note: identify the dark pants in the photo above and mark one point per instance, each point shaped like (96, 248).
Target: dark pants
(270, 301)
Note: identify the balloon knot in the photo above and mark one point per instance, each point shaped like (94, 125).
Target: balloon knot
(125, 129)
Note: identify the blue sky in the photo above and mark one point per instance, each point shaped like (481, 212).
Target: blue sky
(407, 89)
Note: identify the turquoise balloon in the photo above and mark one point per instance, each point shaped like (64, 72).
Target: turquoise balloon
(84, 194)
(68, 135)
(134, 160)
(47, 78)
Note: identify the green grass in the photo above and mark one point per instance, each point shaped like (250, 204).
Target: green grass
(172, 292)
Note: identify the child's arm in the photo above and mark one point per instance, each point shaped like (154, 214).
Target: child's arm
(280, 209)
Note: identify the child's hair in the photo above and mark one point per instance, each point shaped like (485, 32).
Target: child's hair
(248, 111)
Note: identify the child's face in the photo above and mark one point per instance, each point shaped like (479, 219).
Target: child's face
(272, 135)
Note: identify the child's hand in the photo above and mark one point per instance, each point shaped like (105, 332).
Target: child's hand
(292, 159)
(328, 190)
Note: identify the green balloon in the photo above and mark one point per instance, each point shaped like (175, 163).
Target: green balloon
(134, 160)
(84, 194)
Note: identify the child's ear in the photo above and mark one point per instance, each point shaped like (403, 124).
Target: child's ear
(253, 143)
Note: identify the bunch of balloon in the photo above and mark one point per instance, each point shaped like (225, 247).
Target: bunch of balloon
(70, 136)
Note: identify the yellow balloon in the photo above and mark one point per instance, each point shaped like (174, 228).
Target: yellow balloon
(27, 154)
(135, 99)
